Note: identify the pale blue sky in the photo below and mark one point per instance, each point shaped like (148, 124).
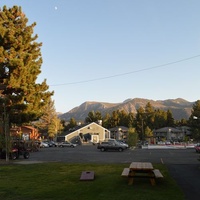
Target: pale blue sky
(87, 40)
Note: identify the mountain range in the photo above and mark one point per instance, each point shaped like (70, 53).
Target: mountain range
(180, 108)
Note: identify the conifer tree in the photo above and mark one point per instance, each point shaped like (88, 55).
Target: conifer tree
(20, 65)
(170, 120)
(93, 117)
(49, 122)
(194, 120)
(140, 123)
(72, 123)
(107, 121)
(149, 115)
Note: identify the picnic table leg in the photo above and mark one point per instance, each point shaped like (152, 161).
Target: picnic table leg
(130, 177)
(130, 181)
(153, 182)
(152, 178)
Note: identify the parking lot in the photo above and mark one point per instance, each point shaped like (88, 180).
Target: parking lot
(90, 153)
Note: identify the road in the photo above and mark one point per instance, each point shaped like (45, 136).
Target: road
(84, 154)
(183, 164)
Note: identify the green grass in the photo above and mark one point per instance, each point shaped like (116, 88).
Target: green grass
(61, 181)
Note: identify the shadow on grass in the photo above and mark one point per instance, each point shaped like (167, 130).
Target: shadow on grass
(62, 181)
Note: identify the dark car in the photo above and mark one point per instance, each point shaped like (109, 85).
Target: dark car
(53, 144)
(105, 146)
(197, 148)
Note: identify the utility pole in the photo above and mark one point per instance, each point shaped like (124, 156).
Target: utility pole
(6, 132)
(143, 134)
(5, 121)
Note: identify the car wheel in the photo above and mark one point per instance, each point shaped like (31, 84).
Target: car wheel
(120, 149)
(72, 146)
(102, 149)
(14, 156)
(26, 155)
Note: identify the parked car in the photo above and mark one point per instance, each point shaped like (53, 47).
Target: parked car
(44, 145)
(197, 148)
(111, 145)
(49, 143)
(66, 144)
(53, 144)
(168, 143)
(123, 143)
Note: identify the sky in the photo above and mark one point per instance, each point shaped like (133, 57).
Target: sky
(113, 50)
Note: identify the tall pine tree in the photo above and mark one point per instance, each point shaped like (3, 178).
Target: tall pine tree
(20, 65)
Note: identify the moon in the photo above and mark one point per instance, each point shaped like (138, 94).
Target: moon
(55, 7)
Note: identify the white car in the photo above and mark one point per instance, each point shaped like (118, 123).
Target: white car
(44, 145)
(66, 144)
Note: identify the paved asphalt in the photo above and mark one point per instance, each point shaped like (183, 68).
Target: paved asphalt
(187, 177)
(183, 164)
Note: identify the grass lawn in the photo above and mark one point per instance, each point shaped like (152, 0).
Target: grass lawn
(61, 181)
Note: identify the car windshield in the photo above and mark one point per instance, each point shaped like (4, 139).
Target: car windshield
(116, 142)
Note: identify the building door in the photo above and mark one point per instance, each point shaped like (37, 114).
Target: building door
(95, 138)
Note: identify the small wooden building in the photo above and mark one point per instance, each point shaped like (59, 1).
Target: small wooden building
(24, 133)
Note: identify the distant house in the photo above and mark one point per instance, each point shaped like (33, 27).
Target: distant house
(186, 130)
(29, 132)
(119, 132)
(24, 133)
(91, 132)
(171, 134)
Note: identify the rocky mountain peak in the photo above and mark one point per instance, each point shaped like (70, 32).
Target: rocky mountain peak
(181, 108)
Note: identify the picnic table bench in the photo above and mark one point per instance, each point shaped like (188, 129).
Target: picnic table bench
(141, 170)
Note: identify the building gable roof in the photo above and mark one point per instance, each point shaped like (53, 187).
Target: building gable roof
(77, 128)
(167, 129)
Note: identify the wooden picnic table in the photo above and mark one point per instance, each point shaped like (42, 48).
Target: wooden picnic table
(145, 166)
(141, 170)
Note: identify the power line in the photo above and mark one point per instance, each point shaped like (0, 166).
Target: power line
(127, 73)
